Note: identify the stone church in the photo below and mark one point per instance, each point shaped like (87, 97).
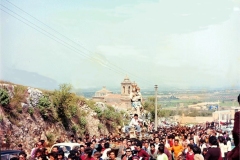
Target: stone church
(124, 100)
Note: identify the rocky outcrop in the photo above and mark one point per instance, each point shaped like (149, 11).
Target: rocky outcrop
(34, 96)
(31, 127)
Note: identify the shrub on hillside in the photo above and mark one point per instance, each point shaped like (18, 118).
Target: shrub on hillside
(30, 111)
(4, 97)
(19, 96)
(74, 129)
(62, 100)
(44, 105)
(82, 122)
(44, 102)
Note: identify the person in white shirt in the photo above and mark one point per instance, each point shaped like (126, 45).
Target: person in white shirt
(202, 144)
(197, 153)
(222, 146)
(134, 123)
(104, 153)
(161, 155)
(157, 142)
(229, 145)
(146, 147)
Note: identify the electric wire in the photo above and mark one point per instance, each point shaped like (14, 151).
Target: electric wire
(70, 39)
(112, 67)
(60, 41)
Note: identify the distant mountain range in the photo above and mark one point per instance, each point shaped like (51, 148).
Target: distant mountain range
(28, 79)
(39, 81)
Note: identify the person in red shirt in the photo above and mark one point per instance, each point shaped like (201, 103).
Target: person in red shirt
(141, 152)
(190, 153)
(87, 154)
(170, 140)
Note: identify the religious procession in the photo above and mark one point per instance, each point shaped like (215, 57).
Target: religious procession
(135, 141)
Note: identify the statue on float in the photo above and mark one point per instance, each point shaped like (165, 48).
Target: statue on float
(136, 98)
(137, 109)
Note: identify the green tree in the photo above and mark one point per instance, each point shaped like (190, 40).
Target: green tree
(149, 105)
(4, 97)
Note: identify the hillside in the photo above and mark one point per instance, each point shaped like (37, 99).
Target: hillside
(28, 114)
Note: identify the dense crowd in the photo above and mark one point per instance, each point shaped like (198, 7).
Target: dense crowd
(179, 142)
(200, 142)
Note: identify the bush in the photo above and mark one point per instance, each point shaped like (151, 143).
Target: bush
(18, 97)
(98, 111)
(100, 126)
(73, 110)
(30, 111)
(82, 122)
(44, 102)
(45, 109)
(74, 128)
(50, 138)
(62, 99)
(4, 97)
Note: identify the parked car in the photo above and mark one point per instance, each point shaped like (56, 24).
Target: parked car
(8, 154)
(66, 147)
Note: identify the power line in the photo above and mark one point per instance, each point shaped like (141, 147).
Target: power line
(65, 36)
(112, 67)
(57, 39)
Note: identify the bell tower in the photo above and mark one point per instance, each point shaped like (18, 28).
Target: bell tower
(126, 90)
(126, 87)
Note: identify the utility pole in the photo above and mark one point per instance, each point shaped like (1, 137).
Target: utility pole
(156, 121)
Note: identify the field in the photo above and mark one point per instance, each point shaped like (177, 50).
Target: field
(225, 98)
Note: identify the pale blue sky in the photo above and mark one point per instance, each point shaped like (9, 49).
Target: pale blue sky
(171, 43)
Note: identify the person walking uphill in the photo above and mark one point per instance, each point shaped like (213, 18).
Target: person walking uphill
(214, 152)
(177, 148)
(141, 153)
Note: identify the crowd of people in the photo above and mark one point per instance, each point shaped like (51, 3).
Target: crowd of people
(179, 143)
(174, 143)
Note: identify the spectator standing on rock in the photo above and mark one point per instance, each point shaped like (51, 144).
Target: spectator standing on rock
(134, 123)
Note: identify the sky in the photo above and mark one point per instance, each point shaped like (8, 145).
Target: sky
(93, 43)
